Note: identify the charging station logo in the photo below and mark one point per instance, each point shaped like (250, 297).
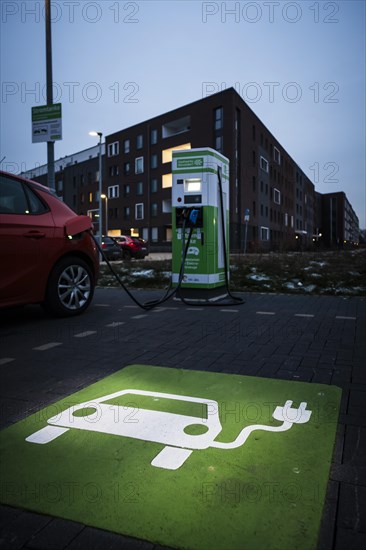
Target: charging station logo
(181, 434)
(193, 250)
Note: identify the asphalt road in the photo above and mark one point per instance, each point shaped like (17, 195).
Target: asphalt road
(308, 338)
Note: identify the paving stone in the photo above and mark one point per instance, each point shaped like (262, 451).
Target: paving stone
(22, 529)
(352, 507)
(56, 535)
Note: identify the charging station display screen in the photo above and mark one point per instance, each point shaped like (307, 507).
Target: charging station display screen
(192, 185)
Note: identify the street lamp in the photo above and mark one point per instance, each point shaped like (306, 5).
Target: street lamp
(100, 185)
(104, 197)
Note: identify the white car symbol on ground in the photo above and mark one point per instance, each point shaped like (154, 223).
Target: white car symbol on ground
(193, 250)
(170, 429)
(148, 425)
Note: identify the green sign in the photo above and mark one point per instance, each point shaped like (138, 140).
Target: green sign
(46, 123)
(186, 459)
(190, 163)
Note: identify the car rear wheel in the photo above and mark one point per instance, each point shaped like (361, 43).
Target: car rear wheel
(70, 288)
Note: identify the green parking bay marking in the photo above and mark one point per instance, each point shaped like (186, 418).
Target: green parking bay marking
(186, 459)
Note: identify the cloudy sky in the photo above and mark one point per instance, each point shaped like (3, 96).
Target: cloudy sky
(299, 65)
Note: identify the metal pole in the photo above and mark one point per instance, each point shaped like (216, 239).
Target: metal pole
(245, 237)
(100, 190)
(106, 215)
(50, 144)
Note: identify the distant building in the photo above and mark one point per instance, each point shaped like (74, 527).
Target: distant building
(285, 211)
(339, 223)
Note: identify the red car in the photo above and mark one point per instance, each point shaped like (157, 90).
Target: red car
(47, 254)
(133, 247)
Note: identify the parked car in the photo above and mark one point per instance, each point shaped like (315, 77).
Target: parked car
(47, 254)
(133, 247)
(111, 248)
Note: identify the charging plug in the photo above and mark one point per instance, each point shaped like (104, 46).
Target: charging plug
(292, 414)
(193, 216)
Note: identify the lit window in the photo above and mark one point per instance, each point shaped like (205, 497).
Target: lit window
(167, 181)
(167, 153)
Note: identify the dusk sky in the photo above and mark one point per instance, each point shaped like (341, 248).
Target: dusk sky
(299, 65)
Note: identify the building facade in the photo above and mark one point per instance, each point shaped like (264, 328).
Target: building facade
(339, 223)
(285, 212)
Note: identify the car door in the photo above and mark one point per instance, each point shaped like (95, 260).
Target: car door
(26, 231)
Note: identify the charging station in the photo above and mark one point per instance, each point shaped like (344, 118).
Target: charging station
(201, 188)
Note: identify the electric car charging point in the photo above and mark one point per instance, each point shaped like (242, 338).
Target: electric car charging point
(200, 209)
(186, 459)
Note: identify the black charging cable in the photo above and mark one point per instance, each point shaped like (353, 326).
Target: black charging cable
(170, 292)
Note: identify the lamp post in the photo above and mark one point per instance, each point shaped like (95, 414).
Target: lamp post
(93, 133)
(104, 197)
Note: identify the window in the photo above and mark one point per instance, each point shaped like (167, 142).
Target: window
(154, 209)
(126, 190)
(139, 211)
(253, 132)
(126, 212)
(154, 161)
(153, 137)
(218, 113)
(276, 196)
(154, 185)
(167, 180)
(166, 206)
(113, 170)
(126, 168)
(264, 164)
(81, 179)
(253, 158)
(154, 234)
(262, 186)
(139, 188)
(113, 192)
(167, 153)
(253, 180)
(139, 141)
(264, 234)
(18, 199)
(90, 197)
(218, 143)
(126, 145)
(113, 149)
(286, 219)
(139, 165)
(261, 209)
(254, 213)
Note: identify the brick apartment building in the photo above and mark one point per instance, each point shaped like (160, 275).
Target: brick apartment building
(338, 221)
(137, 177)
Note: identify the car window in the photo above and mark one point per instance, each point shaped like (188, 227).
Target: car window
(16, 198)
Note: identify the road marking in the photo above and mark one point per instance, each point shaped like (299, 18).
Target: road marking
(45, 347)
(131, 306)
(115, 324)
(265, 313)
(6, 360)
(194, 308)
(344, 317)
(304, 315)
(102, 305)
(139, 316)
(86, 333)
(230, 310)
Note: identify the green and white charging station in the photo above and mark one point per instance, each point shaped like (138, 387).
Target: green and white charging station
(196, 186)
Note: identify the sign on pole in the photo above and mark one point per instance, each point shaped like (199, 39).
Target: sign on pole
(246, 215)
(46, 123)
